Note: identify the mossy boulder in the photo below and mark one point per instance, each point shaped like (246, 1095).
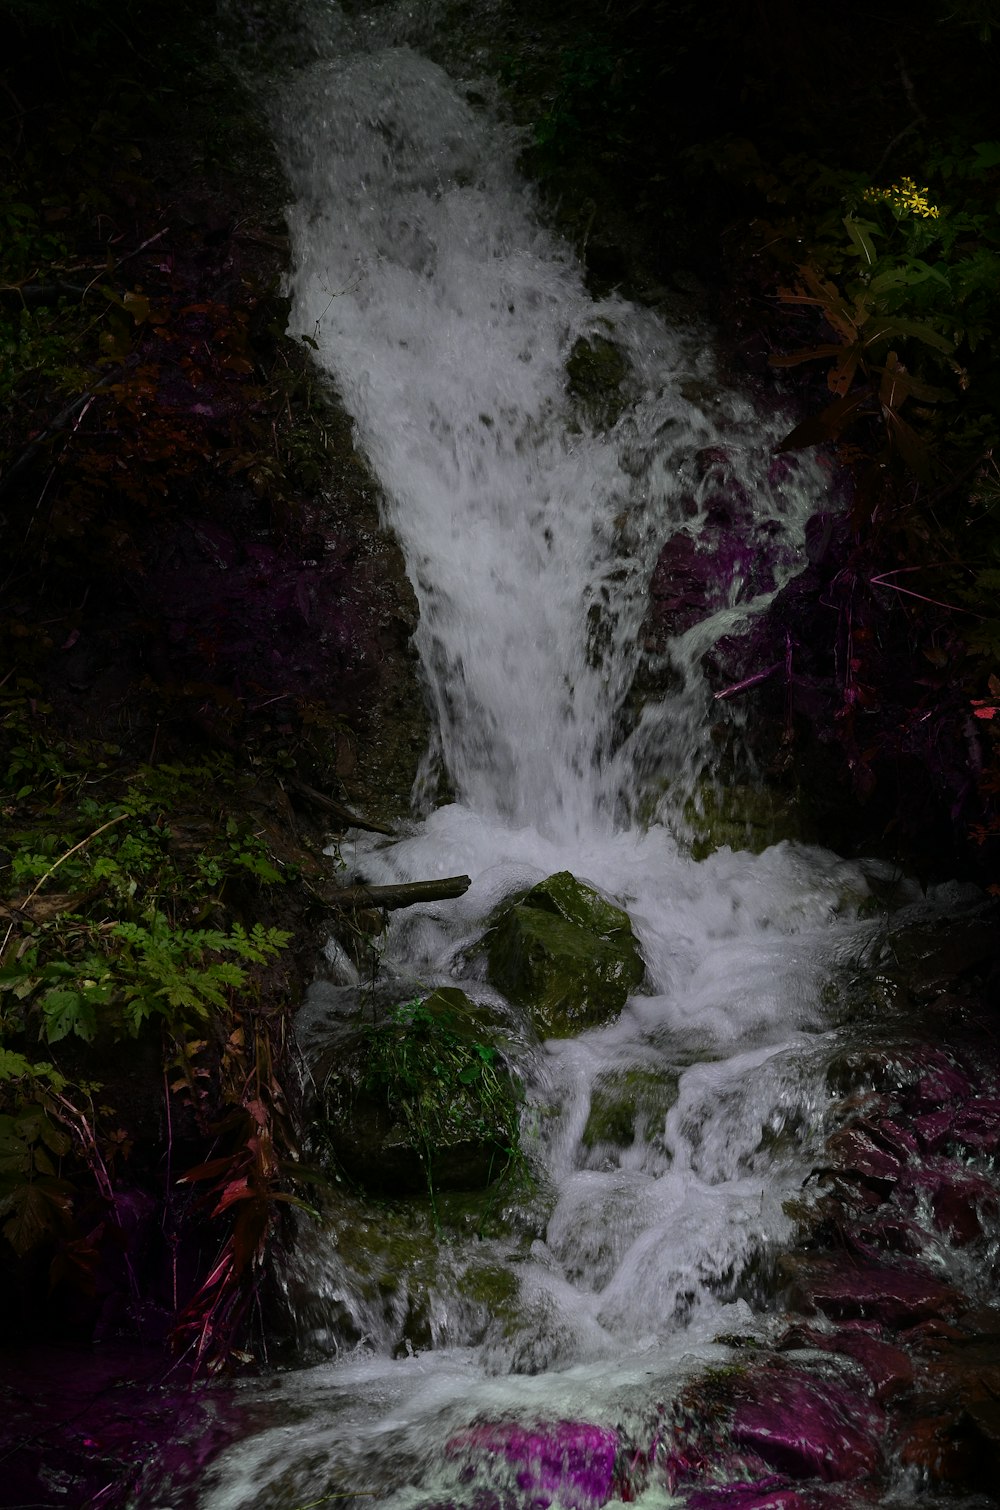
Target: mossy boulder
(744, 818)
(596, 370)
(565, 955)
(629, 1104)
(423, 1100)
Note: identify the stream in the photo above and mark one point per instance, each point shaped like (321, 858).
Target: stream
(531, 516)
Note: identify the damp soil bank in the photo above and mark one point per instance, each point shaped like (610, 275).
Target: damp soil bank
(205, 676)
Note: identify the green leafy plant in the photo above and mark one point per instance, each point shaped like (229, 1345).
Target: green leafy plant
(443, 1083)
(906, 285)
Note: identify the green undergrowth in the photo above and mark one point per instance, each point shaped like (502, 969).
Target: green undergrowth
(128, 911)
(446, 1084)
(885, 288)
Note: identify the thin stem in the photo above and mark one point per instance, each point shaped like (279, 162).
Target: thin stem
(62, 858)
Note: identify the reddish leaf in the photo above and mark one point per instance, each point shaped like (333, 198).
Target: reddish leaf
(810, 354)
(208, 1171)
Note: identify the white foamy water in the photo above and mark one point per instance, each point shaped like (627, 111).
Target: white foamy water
(446, 312)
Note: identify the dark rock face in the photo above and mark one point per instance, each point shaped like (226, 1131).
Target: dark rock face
(728, 558)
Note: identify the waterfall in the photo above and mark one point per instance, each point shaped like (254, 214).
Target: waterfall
(448, 315)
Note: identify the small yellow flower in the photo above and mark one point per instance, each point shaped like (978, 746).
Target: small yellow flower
(905, 195)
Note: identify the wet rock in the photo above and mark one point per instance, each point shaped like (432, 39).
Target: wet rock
(939, 1451)
(940, 1083)
(681, 589)
(773, 1493)
(884, 1232)
(923, 1078)
(934, 957)
(892, 1135)
(932, 1129)
(961, 1202)
(564, 954)
(847, 1286)
(568, 1461)
(629, 1104)
(744, 817)
(958, 1370)
(596, 370)
(422, 1098)
(808, 1428)
(976, 1128)
(982, 1322)
(856, 1153)
(889, 1369)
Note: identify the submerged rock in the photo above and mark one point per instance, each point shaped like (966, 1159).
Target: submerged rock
(568, 1462)
(564, 954)
(808, 1427)
(771, 1493)
(889, 1369)
(596, 370)
(848, 1286)
(629, 1104)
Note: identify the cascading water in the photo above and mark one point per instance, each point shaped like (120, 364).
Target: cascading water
(447, 313)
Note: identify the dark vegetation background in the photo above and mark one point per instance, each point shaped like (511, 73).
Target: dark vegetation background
(204, 637)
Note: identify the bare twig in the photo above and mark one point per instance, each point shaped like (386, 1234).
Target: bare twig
(105, 271)
(748, 682)
(63, 858)
(60, 422)
(882, 581)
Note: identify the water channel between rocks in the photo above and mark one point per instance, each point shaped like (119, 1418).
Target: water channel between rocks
(531, 509)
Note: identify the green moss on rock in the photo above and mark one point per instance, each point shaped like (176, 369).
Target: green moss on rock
(744, 818)
(629, 1104)
(424, 1099)
(565, 955)
(596, 371)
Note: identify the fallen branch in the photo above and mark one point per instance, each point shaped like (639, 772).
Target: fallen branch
(337, 809)
(405, 894)
(747, 682)
(883, 581)
(63, 858)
